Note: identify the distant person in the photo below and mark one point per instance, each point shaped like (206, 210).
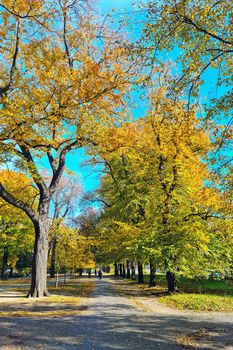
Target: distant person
(89, 273)
(100, 274)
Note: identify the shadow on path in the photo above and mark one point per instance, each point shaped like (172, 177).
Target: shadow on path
(112, 322)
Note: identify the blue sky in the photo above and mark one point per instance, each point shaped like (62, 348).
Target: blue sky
(90, 175)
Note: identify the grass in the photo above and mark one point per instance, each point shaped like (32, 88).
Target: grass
(66, 300)
(200, 302)
(15, 281)
(50, 313)
(199, 295)
(74, 287)
(189, 285)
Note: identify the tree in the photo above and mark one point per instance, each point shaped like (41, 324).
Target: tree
(73, 249)
(200, 33)
(16, 230)
(123, 198)
(61, 90)
(64, 205)
(182, 201)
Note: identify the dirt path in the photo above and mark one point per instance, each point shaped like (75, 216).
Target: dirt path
(115, 321)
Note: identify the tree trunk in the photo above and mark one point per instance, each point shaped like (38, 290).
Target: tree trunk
(53, 257)
(123, 270)
(4, 264)
(140, 273)
(11, 272)
(116, 269)
(127, 269)
(152, 274)
(40, 257)
(171, 282)
(133, 274)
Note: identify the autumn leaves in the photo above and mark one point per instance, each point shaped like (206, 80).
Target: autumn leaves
(64, 86)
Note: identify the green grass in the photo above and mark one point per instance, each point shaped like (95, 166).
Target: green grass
(210, 286)
(202, 286)
(200, 295)
(200, 302)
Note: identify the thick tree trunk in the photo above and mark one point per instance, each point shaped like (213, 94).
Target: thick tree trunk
(53, 257)
(116, 269)
(152, 274)
(133, 273)
(140, 273)
(171, 281)
(4, 264)
(39, 264)
(127, 269)
(123, 270)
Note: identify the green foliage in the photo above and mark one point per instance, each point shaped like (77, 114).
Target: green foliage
(160, 198)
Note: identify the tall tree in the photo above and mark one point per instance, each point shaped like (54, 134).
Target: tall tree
(63, 88)
(64, 205)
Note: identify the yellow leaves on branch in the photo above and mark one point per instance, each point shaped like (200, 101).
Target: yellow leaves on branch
(73, 250)
(66, 83)
(19, 185)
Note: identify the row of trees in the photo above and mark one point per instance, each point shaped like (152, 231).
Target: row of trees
(162, 203)
(65, 84)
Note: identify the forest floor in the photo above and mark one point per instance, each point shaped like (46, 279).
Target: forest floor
(89, 314)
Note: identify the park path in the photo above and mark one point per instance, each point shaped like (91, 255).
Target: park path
(114, 321)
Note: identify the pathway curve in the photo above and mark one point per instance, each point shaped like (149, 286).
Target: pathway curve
(116, 322)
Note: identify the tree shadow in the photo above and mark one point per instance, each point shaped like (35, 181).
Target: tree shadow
(110, 330)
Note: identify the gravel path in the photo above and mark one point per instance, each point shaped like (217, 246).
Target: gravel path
(117, 322)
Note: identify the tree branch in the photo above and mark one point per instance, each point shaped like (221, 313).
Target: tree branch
(61, 164)
(33, 169)
(4, 89)
(9, 198)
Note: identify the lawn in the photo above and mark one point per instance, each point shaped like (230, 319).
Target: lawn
(201, 295)
(200, 302)
(67, 299)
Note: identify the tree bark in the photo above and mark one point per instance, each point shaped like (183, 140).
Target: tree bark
(171, 281)
(152, 274)
(11, 272)
(127, 269)
(123, 270)
(39, 264)
(53, 257)
(133, 274)
(140, 273)
(4, 264)
(116, 273)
